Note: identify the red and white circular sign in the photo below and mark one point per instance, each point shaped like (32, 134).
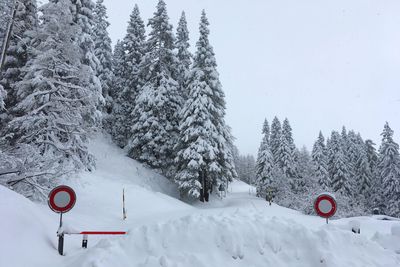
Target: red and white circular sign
(61, 199)
(325, 205)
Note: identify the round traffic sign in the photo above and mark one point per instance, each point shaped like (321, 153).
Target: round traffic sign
(61, 199)
(325, 205)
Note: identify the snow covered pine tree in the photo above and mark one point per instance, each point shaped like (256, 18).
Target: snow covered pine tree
(128, 56)
(204, 157)
(320, 163)
(103, 52)
(50, 115)
(389, 171)
(155, 131)
(25, 21)
(184, 56)
(265, 163)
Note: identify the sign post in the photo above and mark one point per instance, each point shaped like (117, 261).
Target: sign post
(325, 205)
(61, 200)
(123, 204)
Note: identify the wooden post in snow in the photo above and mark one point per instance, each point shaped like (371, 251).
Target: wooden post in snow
(123, 204)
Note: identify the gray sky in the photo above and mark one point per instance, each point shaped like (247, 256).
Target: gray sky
(321, 64)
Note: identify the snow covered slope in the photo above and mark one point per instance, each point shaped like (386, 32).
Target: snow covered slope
(240, 230)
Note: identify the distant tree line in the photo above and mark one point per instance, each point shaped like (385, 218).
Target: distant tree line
(245, 166)
(344, 164)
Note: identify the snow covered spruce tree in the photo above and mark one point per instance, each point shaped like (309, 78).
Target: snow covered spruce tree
(275, 138)
(128, 56)
(353, 148)
(204, 156)
(50, 115)
(184, 56)
(155, 114)
(17, 54)
(310, 186)
(82, 11)
(118, 69)
(375, 195)
(320, 163)
(346, 192)
(103, 52)
(265, 163)
(363, 173)
(286, 157)
(372, 155)
(115, 123)
(389, 171)
(337, 166)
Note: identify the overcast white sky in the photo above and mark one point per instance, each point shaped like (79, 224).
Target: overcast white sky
(322, 64)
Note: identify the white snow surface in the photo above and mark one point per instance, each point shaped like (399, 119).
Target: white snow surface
(240, 230)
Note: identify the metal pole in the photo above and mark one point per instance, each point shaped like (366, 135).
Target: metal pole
(61, 238)
(327, 220)
(8, 35)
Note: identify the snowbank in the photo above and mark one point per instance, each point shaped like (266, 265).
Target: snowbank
(239, 239)
(25, 238)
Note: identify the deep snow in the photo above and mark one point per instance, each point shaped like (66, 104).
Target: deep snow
(240, 230)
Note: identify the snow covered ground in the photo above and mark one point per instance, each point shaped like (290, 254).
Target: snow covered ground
(240, 230)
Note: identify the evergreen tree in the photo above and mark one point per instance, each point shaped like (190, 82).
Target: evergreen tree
(134, 46)
(372, 156)
(53, 105)
(275, 138)
(82, 11)
(103, 52)
(184, 56)
(286, 156)
(197, 162)
(338, 169)
(265, 162)
(117, 68)
(158, 103)
(265, 171)
(376, 191)
(352, 153)
(266, 132)
(204, 154)
(116, 122)
(205, 60)
(320, 163)
(363, 173)
(344, 139)
(17, 54)
(127, 59)
(389, 171)
(265, 141)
